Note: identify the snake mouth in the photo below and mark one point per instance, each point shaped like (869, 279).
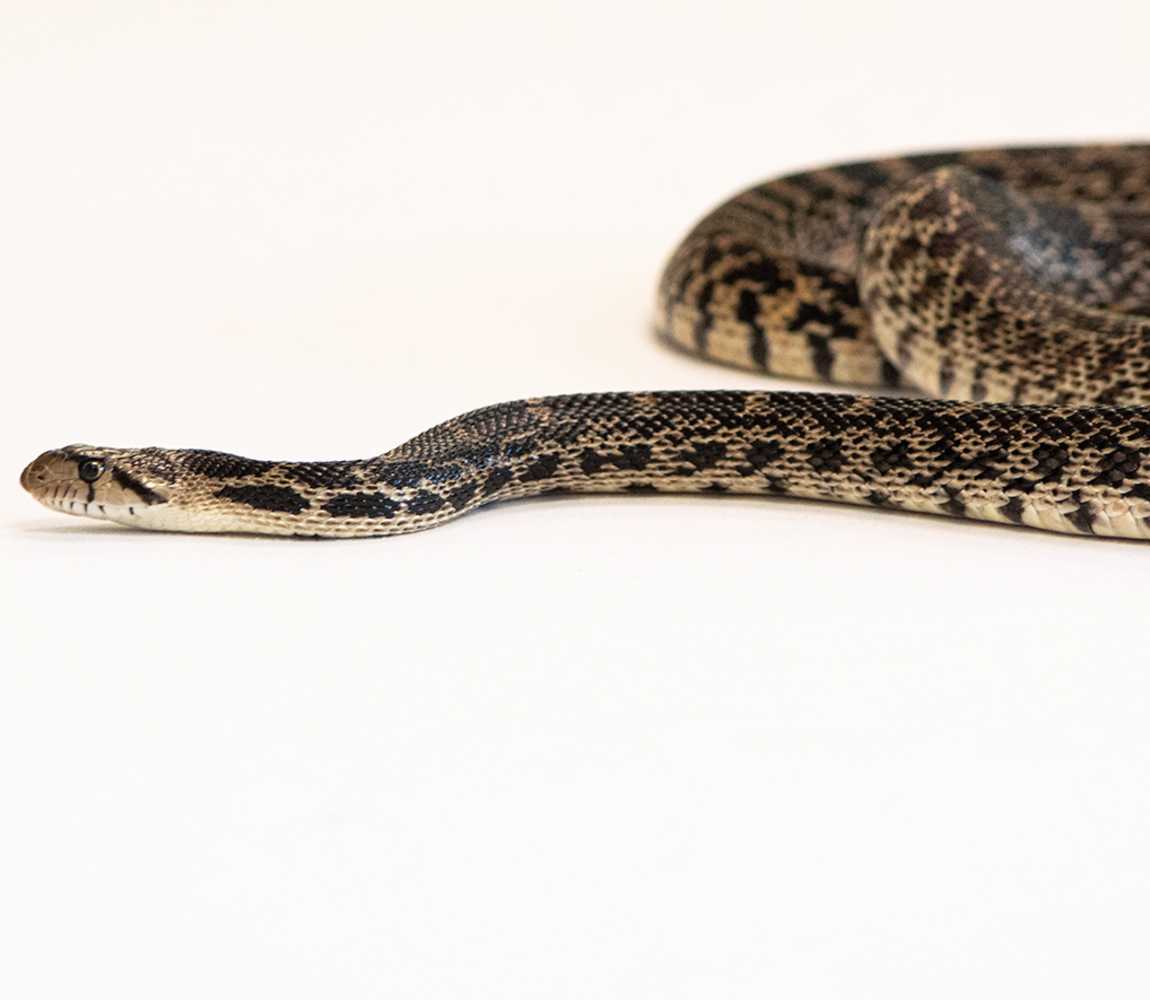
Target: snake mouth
(59, 494)
(72, 499)
(72, 505)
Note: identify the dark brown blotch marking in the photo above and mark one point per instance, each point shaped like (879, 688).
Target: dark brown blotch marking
(281, 499)
(543, 467)
(1012, 510)
(496, 481)
(1083, 518)
(362, 505)
(954, 504)
(425, 502)
(703, 456)
(461, 497)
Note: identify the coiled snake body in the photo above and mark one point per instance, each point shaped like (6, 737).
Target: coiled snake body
(1011, 285)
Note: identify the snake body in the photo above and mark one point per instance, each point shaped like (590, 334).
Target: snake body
(1011, 286)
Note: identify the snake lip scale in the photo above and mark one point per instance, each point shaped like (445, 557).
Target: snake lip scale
(1009, 287)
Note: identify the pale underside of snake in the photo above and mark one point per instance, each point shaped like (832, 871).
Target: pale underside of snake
(1010, 286)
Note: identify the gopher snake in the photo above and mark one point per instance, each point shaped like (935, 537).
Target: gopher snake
(1011, 284)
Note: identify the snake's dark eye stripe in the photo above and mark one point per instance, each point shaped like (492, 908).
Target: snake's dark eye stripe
(90, 469)
(129, 482)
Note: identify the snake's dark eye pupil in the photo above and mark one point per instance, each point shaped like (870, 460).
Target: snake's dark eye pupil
(90, 470)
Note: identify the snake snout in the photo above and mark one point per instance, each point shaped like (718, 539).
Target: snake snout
(36, 473)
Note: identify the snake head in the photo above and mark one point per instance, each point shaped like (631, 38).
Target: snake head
(110, 484)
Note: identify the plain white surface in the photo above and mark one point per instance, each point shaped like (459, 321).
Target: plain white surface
(612, 747)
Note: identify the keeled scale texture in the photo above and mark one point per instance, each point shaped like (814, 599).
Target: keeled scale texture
(1018, 276)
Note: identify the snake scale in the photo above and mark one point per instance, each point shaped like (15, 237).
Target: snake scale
(1010, 288)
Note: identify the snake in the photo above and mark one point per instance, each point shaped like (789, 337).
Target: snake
(982, 317)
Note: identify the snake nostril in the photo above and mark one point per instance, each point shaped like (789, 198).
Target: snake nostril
(33, 475)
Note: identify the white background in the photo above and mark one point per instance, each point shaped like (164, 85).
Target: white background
(606, 747)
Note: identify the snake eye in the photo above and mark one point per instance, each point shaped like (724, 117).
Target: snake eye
(91, 469)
